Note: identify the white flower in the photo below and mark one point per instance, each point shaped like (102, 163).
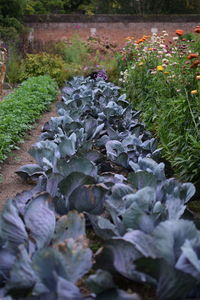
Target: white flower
(165, 60)
(175, 38)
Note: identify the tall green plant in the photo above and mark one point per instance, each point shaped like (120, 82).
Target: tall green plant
(161, 81)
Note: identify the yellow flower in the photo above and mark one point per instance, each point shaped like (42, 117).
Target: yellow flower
(194, 92)
(150, 49)
(166, 73)
(160, 68)
(141, 64)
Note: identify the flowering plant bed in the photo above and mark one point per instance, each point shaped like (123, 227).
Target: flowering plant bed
(161, 78)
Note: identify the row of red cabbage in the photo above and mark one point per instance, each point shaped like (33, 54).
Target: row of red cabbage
(97, 167)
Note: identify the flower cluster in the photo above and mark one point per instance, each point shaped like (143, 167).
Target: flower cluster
(158, 54)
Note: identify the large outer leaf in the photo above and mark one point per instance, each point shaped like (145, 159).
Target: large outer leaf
(71, 225)
(77, 258)
(52, 183)
(22, 276)
(171, 283)
(116, 201)
(46, 263)
(67, 145)
(69, 260)
(21, 200)
(89, 198)
(66, 290)
(169, 237)
(74, 181)
(77, 164)
(100, 281)
(103, 227)
(30, 170)
(142, 179)
(189, 261)
(183, 191)
(7, 259)
(45, 153)
(12, 227)
(40, 220)
(119, 255)
(144, 243)
(139, 213)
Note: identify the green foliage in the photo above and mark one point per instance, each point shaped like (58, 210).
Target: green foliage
(44, 6)
(12, 8)
(11, 12)
(13, 67)
(11, 22)
(20, 108)
(75, 51)
(42, 64)
(9, 34)
(159, 83)
(111, 7)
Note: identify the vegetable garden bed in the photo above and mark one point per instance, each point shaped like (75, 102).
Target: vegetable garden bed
(21, 108)
(96, 168)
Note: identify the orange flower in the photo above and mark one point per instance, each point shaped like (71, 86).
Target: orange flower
(192, 55)
(197, 29)
(179, 32)
(198, 77)
(139, 41)
(195, 64)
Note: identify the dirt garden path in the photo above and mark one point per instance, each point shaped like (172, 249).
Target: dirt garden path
(11, 183)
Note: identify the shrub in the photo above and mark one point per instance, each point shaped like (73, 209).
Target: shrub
(9, 34)
(43, 64)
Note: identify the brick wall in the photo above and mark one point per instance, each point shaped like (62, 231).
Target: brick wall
(116, 28)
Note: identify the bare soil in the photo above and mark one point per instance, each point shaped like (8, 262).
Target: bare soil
(10, 182)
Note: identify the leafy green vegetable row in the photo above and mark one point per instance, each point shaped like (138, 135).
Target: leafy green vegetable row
(20, 108)
(97, 158)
